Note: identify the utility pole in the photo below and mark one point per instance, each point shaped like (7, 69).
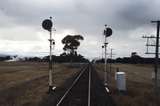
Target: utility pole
(107, 32)
(156, 53)
(149, 43)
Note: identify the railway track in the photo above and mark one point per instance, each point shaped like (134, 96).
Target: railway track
(86, 90)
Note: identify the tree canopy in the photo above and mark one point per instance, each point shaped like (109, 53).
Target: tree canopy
(71, 43)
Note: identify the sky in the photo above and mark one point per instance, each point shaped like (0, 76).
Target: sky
(21, 32)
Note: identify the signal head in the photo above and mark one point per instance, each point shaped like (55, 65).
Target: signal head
(108, 32)
(47, 24)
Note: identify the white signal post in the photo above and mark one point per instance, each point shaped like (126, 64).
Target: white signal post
(110, 67)
(105, 54)
(107, 33)
(47, 25)
(51, 87)
(102, 51)
(50, 60)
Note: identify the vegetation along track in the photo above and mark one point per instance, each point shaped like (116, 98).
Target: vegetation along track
(86, 90)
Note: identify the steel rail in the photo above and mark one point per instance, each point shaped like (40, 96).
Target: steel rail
(75, 81)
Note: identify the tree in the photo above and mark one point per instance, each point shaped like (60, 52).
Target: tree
(71, 43)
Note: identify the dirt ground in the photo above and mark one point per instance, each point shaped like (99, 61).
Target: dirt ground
(26, 83)
(139, 84)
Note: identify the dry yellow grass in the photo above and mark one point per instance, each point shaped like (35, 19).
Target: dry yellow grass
(26, 83)
(139, 84)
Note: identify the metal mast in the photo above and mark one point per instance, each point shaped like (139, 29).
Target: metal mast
(105, 54)
(110, 66)
(102, 52)
(107, 32)
(47, 25)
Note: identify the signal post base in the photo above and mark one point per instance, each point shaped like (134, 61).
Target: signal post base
(51, 89)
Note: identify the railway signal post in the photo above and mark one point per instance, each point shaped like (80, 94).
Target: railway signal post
(47, 25)
(102, 52)
(110, 65)
(107, 32)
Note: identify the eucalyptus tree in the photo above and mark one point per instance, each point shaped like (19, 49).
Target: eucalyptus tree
(71, 43)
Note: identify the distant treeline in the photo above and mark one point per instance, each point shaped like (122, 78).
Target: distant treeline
(64, 58)
(131, 60)
(4, 58)
(58, 59)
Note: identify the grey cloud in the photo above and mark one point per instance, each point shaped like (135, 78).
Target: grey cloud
(121, 15)
(86, 17)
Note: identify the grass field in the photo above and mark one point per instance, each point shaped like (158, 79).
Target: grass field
(26, 83)
(140, 90)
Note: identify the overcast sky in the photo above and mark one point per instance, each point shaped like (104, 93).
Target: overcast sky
(21, 32)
